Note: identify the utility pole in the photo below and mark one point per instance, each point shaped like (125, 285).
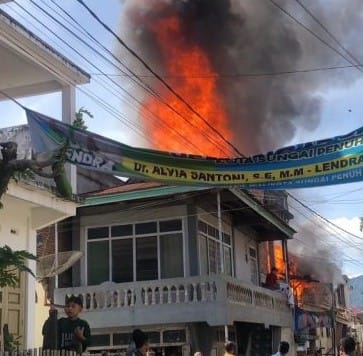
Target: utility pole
(333, 311)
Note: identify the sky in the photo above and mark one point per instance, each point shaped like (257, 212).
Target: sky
(338, 93)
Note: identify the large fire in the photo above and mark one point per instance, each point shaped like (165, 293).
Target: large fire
(184, 65)
(308, 292)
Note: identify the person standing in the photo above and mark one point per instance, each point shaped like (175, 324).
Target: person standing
(139, 345)
(74, 334)
(347, 346)
(271, 279)
(230, 348)
(283, 349)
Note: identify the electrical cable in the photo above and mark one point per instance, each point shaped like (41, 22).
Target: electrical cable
(328, 32)
(94, 66)
(157, 76)
(146, 87)
(241, 75)
(312, 33)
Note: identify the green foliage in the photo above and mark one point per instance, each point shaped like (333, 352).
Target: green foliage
(11, 262)
(23, 175)
(11, 343)
(79, 120)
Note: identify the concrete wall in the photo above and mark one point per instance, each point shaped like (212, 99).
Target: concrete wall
(243, 240)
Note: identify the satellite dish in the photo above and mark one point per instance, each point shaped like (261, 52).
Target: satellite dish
(54, 264)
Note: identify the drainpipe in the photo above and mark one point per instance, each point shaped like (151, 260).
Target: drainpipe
(221, 252)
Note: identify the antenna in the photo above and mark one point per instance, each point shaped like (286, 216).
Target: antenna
(54, 264)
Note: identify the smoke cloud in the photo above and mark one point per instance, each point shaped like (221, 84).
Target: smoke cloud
(252, 36)
(314, 254)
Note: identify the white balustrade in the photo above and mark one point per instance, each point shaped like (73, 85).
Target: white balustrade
(207, 289)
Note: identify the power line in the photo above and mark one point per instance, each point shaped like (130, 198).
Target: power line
(147, 66)
(131, 76)
(312, 33)
(325, 219)
(328, 32)
(241, 75)
(94, 66)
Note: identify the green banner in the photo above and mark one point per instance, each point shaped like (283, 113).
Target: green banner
(326, 162)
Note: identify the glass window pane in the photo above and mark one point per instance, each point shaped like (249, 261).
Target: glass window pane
(122, 339)
(170, 225)
(174, 336)
(97, 232)
(212, 232)
(146, 258)
(121, 230)
(227, 261)
(202, 226)
(171, 255)
(145, 228)
(214, 256)
(154, 337)
(203, 255)
(98, 262)
(122, 261)
(100, 340)
(226, 238)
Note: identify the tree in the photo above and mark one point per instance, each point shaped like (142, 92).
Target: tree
(79, 121)
(11, 262)
(11, 167)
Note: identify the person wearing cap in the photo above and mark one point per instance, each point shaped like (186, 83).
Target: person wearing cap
(74, 334)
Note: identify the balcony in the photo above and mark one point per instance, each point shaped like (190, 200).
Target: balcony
(217, 300)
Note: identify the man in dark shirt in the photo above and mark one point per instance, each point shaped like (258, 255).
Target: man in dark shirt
(73, 333)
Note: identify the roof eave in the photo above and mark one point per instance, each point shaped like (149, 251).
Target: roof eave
(20, 39)
(257, 207)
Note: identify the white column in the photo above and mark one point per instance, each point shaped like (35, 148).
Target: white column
(220, 235)
(68, 116)
(29, 313)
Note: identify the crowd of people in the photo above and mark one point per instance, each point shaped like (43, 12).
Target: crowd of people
(74, 334)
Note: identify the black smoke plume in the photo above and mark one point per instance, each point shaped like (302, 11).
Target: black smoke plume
(252, 37)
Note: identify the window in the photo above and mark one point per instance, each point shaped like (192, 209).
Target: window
(135, 252)
(212, 250)
(146, 258)
(253, 265)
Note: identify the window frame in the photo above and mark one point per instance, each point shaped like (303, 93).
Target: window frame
(218, 242)
(134, 236)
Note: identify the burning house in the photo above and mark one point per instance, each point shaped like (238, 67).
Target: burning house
(181, 263)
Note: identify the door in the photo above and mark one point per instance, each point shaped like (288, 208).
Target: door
(11, 312)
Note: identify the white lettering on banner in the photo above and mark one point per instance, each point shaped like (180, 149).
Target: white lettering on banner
(89, 159)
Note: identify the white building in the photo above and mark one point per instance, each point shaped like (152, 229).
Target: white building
(30, 67)
(181, 263)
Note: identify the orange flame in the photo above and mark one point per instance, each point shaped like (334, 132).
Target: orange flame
(184, 62)
(279, 260)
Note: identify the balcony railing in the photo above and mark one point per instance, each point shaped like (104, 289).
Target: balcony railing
(192, 290)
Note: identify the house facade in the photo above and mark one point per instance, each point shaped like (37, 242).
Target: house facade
(30, 67)
(181, 263)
